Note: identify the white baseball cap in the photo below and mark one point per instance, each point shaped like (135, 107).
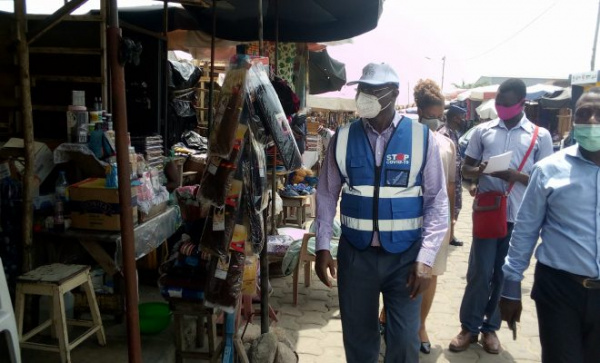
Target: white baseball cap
(377, 74)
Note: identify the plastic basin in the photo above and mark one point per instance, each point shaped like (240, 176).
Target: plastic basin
(154, 317)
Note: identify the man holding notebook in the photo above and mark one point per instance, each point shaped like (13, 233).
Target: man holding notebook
(496, 204)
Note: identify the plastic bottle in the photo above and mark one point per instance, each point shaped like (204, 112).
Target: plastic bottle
(60, 193)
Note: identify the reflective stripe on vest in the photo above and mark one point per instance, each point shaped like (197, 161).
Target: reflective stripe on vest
(398, 196)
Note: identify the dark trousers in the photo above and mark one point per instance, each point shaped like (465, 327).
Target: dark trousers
(479, 308)
(568, 317)
(362, 276)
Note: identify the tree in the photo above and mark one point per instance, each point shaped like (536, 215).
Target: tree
(464, 85)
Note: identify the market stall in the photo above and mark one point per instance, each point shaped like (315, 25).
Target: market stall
(265, 108)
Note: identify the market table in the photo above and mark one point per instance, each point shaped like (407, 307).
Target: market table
(99, 244)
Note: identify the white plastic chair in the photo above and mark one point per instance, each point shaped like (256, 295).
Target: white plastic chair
(8, 324)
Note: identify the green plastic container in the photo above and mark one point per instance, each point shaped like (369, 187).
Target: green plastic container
(154, 317)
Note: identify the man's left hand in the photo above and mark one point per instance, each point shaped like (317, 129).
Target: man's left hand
(510, 310)
(419, 279)
(509, 175)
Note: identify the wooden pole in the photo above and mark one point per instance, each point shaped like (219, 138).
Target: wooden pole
(104, 59)
(166, 77)
(211, 86)
(54, 19)
(119, 111)
(261, 43)
(27, 119)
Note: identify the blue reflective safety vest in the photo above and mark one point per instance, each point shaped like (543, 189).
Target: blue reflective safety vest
(388, 198)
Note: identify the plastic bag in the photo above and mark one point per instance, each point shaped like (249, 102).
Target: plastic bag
(228, 110)
(268, 108)
(218, 175)
(225, 281)
(220, 224)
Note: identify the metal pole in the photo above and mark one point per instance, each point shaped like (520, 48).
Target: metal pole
(119, 109)
(443, 71)
(27, 115)
(166, 76)
(595, 39)
(264, 258)
(211, 89)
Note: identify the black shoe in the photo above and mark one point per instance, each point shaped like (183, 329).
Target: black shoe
(425, 347)
(455, 242)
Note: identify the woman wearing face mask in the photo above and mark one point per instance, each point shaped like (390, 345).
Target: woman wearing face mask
(561, 206)
(430, 108)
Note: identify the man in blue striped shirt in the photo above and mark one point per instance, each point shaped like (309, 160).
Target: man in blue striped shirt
(562, 202)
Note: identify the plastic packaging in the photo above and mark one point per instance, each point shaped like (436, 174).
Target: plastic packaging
(225, 281)
(217, 176)
(228, 109)
(150, 235)
(220, 224)
(268, 108)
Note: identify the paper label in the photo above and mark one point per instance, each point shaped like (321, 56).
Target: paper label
(219, 219)
(214, 165)
(222, 268)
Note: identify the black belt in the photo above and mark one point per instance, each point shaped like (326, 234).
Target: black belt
(586, 282)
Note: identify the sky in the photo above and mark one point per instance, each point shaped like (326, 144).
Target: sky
(519, 38)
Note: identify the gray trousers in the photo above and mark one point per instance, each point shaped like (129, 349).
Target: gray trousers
(362, 276)
(479, 309)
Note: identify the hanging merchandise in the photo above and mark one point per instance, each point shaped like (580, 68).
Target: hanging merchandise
(255, 193)
(220, 223)
(217, 177)
(254, 122)
(269, 109)
(225, 281)
(228, 109)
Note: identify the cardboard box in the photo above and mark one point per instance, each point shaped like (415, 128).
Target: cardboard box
(93, 206)
(44, 158)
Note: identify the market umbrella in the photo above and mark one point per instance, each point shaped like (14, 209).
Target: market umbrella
(487, 110)
(538, 91)
(299, 21)
(331, 103)
(325, 74)
(479, 93)
(560, 100)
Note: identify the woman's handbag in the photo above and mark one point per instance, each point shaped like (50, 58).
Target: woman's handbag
(489, 209)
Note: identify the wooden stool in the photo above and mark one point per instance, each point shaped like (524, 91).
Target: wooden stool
(297, 204)
(55, 280)
(183, 308)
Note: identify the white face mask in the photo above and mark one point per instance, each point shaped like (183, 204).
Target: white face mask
(368, 106)
(432, 123)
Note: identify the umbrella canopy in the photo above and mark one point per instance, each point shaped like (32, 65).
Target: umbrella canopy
(538, 91)
(299, 21)
(560, 100)
(325, 73)
(487, 110)
(479, 93)
(331, 103)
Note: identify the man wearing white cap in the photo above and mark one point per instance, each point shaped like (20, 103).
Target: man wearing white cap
(394, 214)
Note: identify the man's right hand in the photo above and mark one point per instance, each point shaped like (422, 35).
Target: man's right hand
(323, 263)
(482, 167)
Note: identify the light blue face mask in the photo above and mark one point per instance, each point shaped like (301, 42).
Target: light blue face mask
(587, 136)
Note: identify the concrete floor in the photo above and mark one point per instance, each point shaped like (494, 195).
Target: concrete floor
(158, 348)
